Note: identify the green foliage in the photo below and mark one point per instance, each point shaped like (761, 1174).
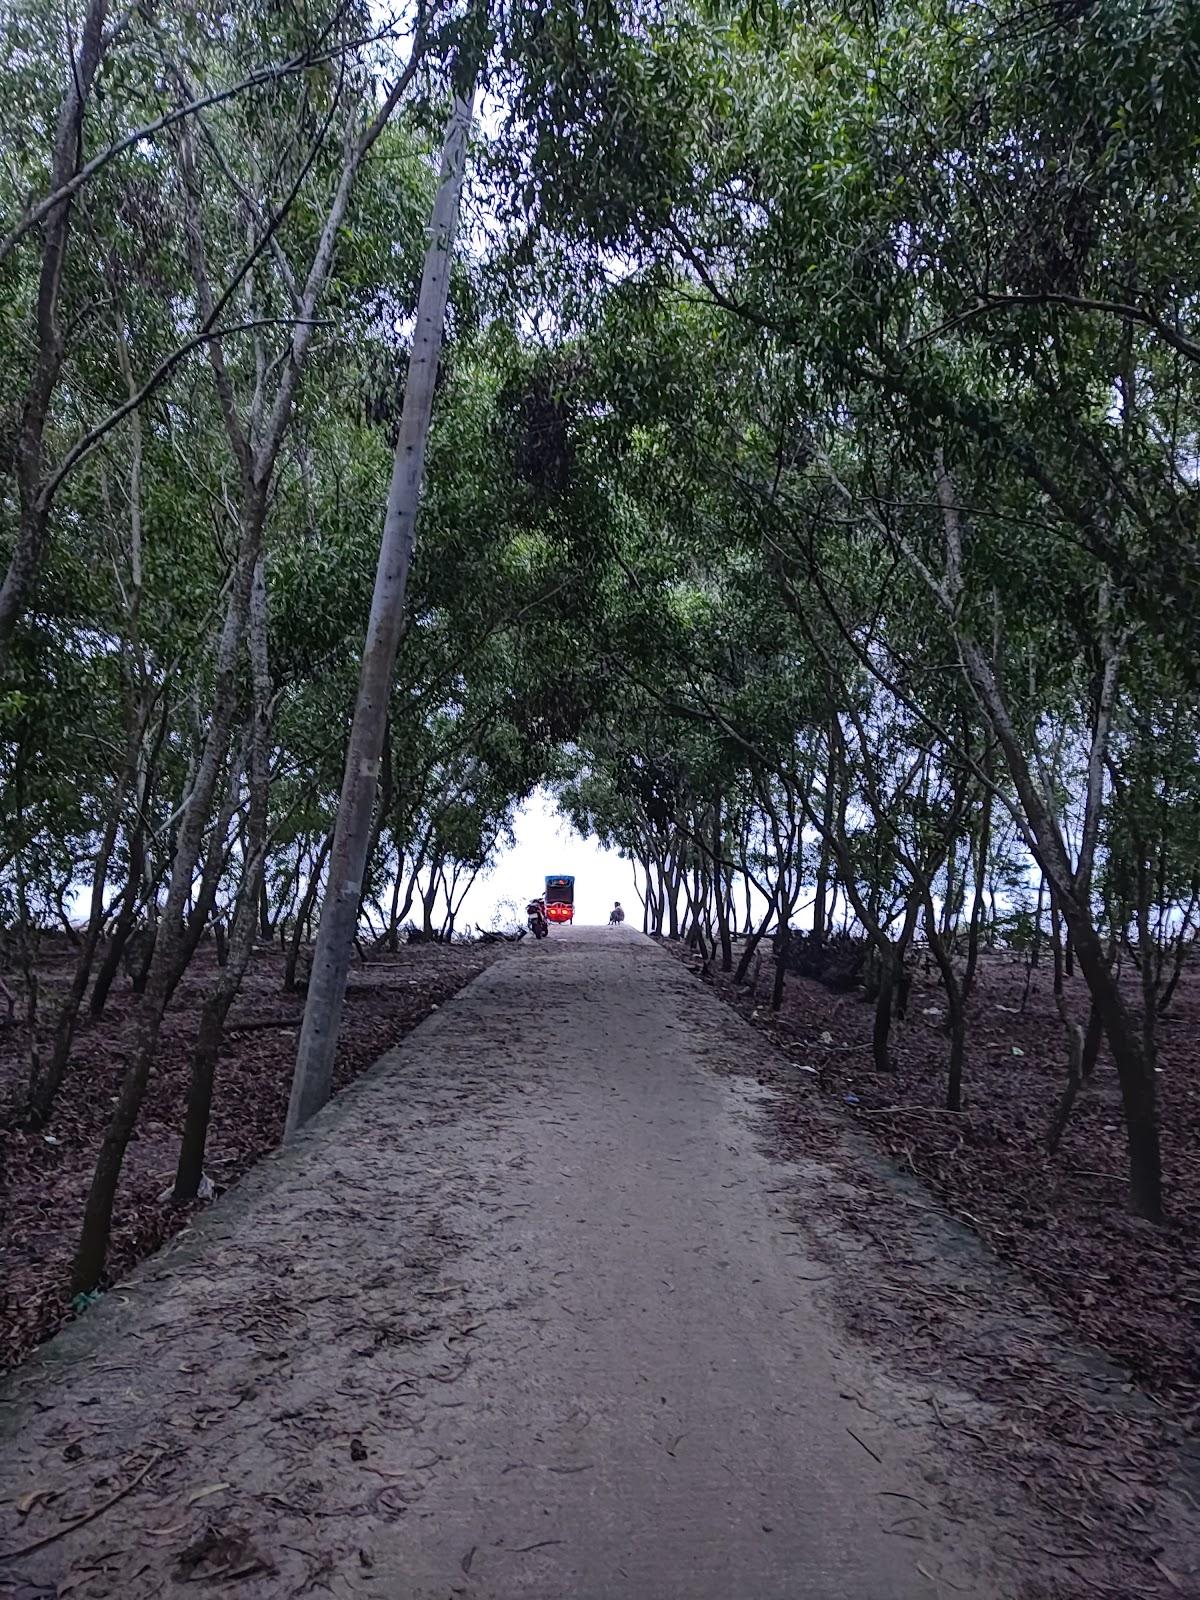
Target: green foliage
(739, 283)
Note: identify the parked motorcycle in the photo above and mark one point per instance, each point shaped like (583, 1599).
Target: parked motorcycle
(539, 927)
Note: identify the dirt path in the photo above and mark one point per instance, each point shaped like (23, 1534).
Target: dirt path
(523, 1313)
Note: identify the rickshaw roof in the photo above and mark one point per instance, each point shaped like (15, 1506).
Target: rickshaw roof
(560, 877)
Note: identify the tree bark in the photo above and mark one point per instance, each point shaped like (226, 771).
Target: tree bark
(331, 964)
(1134, 1071)
(44, 1091)
(171, 942)
(955, 998)
(821, 888)
(34, 513)
(980, 874)
(783, 945)
(303, 911)
(752, 944)
(190, 1168)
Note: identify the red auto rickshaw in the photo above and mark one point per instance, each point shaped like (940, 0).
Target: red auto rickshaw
(560, 899)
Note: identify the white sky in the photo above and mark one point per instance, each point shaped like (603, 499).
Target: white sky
(546, 844)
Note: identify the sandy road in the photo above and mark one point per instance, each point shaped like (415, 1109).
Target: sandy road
(522, 1314)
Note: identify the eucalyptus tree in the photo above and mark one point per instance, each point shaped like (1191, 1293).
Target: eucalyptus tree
(965, 390)
(92, 93)
(256, 395)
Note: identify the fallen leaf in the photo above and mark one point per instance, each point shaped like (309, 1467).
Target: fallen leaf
(34, 1498)
(1172, 1578)
(203, 1494)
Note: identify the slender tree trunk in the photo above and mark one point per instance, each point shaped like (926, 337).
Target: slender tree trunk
(126, 918)
(1062, 1115)
(44, 1092)
(172, 936)
(828, 812)
(723, 894)
(383, 804)
(671, 885)
(955, 1000)
(1056, 945)
(724, 933)
(951, 892)
(881, 1031)
(331, 964)
(893, 982)
(1134, 1071)
(311, 890)
(391, 935)
(782, 949)
(1035, 941)
(214, 866)
(977, 903)
(50, 349)
(190, 1168)
(752, 944)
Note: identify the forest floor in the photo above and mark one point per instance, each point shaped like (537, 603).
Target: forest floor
(44, 1175)
(552, 1302)
(1132, 1289)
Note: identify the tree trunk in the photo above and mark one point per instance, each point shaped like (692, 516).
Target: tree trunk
(44, 1091)
(951, 892)
(721, 891)
(331, 964)
(392, 931)
(978, 901)
(190, 1168)
(671, 889)
(752, 945)
(126, 918)
(724, 934)
(1134, 1071)
(881, 1032)
(311, 889)
(383, 804)
(783, 945)
(214, 866)
(172, 936)
(50, 348)
(1074, 1082)
(955, 998)
(1035, 940)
